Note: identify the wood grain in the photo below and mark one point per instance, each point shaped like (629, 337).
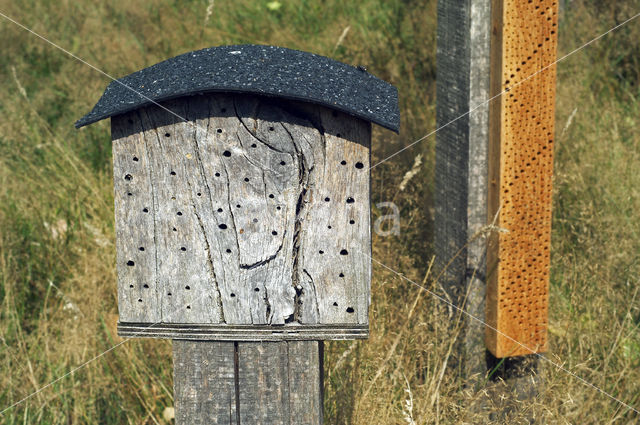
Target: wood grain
(520, 172)
(461, 167)
(253, 216)
(248, 383)
(204, 382)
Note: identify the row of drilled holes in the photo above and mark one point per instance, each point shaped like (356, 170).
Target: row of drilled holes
(131, 263)
(349, 310)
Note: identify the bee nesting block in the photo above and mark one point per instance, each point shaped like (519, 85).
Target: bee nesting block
(520, 176)
(242, 204)
(246, 215)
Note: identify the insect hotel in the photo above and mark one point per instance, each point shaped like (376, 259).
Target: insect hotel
(241, 183)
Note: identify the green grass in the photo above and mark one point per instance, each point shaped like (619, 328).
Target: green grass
(56, 211)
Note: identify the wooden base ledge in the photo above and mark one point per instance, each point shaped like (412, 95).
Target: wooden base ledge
(236, 333)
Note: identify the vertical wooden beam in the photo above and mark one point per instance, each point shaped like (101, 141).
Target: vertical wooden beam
(204, 382)
(524, 40)
(461, 165)
(248, 382)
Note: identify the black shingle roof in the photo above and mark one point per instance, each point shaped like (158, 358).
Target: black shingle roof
(263, 70)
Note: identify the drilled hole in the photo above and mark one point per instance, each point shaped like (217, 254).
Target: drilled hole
(226, 153)
(350, 200)
(167, 134)
(271, 128)
(187, 287)
(145, 210)
(343, 162)
(128, 177)
(232, 295)
(130, 286)
(135, 158)
(139, 300)
(278, 208)
(328, 227)
(169, 293)
(359, 165)
(130, 263)
(344, 252)
(282, 163)
(350, 310)
(219, 210)
(238, 206)
(222, 226)
(145, 286)
(271, 196)
(182, 248)
(253, 145)
(228, 251)
(255, 220)
(179, 213)
(321, 252)
(341, 275)
(217, 174)
(351, 222)
(335, 304)
(199, 194)
(246, 179)
(174, 229)
(141, 248)
(188, 307)
(129, 194)
(274, 233)
(219, 130)
(327, 199)
(256, 289)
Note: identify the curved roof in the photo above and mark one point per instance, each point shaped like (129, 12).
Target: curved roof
(263, 70)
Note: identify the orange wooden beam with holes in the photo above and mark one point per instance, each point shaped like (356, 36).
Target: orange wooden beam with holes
(523, 45)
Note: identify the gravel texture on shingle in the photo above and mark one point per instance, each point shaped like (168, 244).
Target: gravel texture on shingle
(261, 70)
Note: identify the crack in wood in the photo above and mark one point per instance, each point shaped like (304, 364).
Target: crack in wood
(154, 203)
(266, 301)
(203, 176)
(266, 260)
(207, 249)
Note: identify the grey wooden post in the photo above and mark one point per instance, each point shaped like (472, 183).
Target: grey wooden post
(463, 59)
(243, 222)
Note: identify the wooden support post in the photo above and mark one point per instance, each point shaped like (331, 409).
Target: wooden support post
(248, 382)
(461, 166)
(504, 167)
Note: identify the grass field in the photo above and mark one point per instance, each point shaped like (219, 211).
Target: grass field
(57, 274)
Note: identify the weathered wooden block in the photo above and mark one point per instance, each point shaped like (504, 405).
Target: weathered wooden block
(242, 199)
(520, 175)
